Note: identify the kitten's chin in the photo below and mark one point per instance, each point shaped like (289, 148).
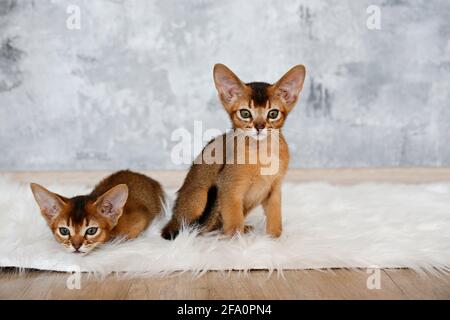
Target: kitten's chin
(259, 136)
(82, 251)
(76, 252)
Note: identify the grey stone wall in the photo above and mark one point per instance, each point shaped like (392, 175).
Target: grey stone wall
(109, 95)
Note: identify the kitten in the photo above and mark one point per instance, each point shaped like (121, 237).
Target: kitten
(121, 205)
(220, 195)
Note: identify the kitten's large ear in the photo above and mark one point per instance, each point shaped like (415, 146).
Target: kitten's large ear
(289, 86)
(111, 203)
(50, 203)
(229, 86)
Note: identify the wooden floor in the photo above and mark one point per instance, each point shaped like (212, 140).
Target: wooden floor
(334, 284)
(302, 284)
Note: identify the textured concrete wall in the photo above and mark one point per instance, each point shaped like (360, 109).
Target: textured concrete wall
(110, 94)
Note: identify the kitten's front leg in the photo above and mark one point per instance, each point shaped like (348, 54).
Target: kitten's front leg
(231, 209)
(272, 209)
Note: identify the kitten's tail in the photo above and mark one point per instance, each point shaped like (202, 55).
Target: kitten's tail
(171, 230)
(201, 213)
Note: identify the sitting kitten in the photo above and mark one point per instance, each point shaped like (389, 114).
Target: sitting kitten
(121, 205)
(220, 195)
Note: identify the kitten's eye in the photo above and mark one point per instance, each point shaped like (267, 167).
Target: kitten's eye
(64, 231)
(273, 114)
(91, 231)
(245, 114)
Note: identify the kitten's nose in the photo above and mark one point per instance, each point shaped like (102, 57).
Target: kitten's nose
(259, 126)
(76, 245)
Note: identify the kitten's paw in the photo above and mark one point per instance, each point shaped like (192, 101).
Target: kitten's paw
(235, 232)
(274, 233)
(232, 231)
(170, 231)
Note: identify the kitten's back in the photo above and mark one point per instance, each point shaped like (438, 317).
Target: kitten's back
(144, 203)
(140, 187)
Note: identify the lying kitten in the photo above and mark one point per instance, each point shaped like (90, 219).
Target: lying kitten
(121, 205)
(220, 195)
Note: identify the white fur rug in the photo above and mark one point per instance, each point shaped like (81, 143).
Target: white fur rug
(325, 226)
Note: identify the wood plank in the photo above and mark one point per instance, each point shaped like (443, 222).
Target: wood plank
(421, 285)
(302, 284)
(340, 284)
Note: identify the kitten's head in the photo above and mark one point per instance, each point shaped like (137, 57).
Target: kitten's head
(258, 107)
(82, 222)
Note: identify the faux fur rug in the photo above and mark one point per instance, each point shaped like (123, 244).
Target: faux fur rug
(366, 225)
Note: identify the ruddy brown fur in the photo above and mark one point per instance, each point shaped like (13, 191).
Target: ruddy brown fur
(221, 194)
(121, 205)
